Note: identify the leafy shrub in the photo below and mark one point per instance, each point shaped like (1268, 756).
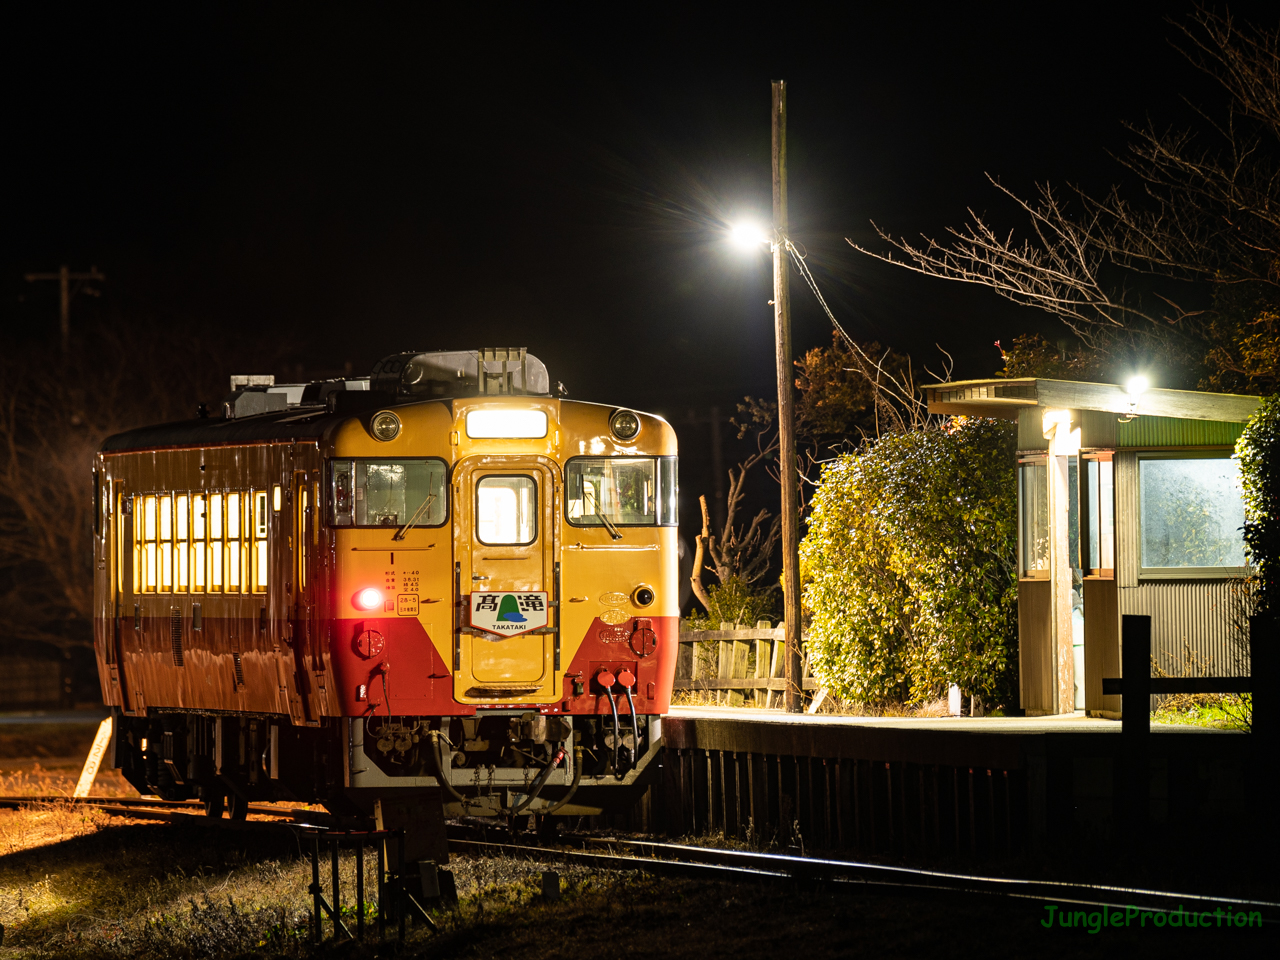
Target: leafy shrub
(909, 565)
(735, 601)
(1258, 451)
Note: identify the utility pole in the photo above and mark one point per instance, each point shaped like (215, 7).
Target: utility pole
(64, 276)
(793, 671)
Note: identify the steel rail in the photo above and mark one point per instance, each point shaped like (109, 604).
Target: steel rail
(674, 859)
(670, 859)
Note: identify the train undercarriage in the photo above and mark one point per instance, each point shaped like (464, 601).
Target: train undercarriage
(496, 763)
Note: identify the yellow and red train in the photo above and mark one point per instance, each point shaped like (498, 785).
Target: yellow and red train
(439, 576)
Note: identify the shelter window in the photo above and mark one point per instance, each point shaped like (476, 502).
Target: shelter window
(507, 510)
(626, 491)
(388, 493)
(1190, 517)
(1098, 516)
(1033, 519)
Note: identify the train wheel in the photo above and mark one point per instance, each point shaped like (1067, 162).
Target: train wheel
(214, 804)
(239, 806)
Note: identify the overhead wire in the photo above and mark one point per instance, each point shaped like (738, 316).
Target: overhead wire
(799, 259)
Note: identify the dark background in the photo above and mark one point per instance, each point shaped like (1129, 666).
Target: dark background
(324, 185)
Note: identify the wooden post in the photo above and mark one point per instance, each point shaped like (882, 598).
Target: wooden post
(1131, 782)
(786, 408)
(724, 662)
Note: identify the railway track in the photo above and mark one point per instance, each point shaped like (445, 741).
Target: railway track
(711, 863)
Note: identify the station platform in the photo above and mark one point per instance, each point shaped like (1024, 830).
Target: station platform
(1070, 723)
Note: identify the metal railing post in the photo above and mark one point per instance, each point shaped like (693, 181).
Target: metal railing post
(317, 931)
(360, 889)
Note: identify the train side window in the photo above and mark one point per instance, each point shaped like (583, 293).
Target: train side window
(340, 480)
(303, 505)
(136, 519)
(668, 492)
(181, 548)
(199, 549)
(148, 522)
(235, 553)
(277, 497)
(121, 517)
(216, 546)
(260, 541)
(165, 543)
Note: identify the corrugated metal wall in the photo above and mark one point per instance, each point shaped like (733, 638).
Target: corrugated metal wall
(1173, 432)
(1203, 616)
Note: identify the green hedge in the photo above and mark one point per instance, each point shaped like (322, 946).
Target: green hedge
(909, 565)
(1259, 453)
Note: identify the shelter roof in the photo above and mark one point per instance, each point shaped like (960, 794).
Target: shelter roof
(1004, 398)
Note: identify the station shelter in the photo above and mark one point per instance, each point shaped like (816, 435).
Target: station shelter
(1129, 502)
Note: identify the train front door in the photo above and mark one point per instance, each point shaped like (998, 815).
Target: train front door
(505, 532)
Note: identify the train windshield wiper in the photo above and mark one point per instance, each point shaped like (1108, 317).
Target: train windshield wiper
(587, 491)
(417, 514)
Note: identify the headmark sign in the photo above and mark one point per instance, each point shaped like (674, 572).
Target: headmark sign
(508, 614)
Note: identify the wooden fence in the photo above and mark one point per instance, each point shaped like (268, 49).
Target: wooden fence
(742, 667)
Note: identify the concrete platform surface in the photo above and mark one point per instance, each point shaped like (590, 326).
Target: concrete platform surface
(1063, 723)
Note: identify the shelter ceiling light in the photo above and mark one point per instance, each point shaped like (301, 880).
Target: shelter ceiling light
(1135, 387)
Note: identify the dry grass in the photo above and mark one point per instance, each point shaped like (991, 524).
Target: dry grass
(165, 890)
(34, 779)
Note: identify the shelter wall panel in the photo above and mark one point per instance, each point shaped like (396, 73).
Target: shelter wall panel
(1097, 429)
(1101, 643)
(1205, 617)
(1031, 430)
(1036, 662)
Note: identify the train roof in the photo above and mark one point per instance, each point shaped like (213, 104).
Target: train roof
(259, 410)
(273, 427)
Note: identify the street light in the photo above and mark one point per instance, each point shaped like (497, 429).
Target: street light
(750, 235)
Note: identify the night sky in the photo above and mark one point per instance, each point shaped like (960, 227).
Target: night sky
(352, 182)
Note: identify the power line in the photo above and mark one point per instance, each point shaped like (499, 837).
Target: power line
(64, 276)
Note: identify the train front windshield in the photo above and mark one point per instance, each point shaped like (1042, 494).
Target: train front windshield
(625, 491)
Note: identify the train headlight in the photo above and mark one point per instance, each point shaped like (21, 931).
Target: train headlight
(385, 425)
(642, 596)
(370, 598)
(624, 424)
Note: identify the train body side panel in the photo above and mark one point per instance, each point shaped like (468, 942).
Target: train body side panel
(205, 650)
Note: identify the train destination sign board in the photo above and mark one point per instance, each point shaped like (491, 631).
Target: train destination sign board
(509, 614)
